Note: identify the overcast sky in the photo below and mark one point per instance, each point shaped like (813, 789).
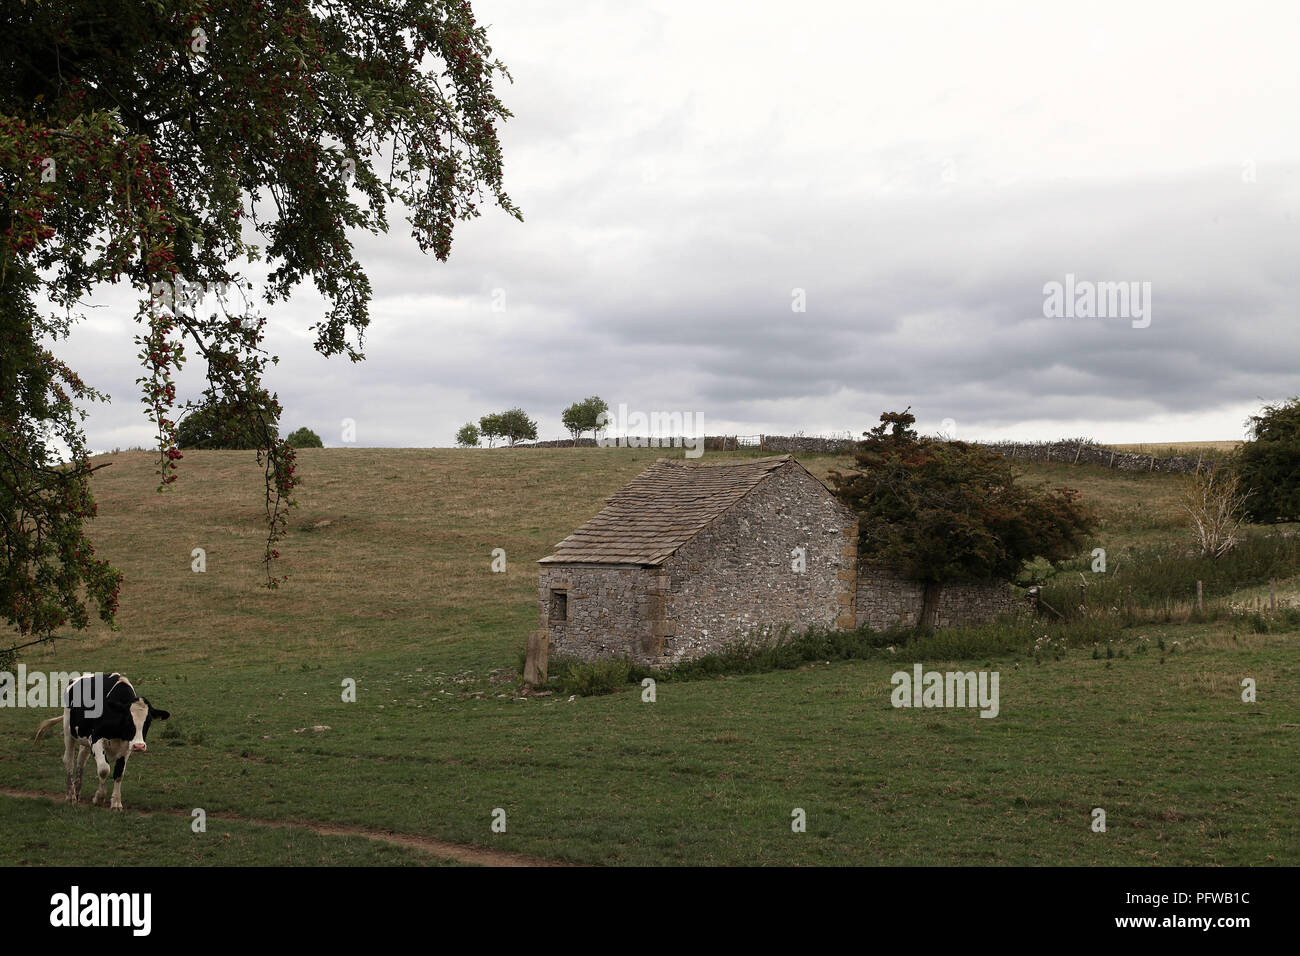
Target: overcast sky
(920, 171)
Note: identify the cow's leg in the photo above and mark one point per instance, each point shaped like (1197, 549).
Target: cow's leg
(101, 763)
(83, 754)
(118, 769)
(69, 746)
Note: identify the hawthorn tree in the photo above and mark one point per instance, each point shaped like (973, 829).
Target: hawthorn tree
(1269, 464)
(166, 144)
(947, 510)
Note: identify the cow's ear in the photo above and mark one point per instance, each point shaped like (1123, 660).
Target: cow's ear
(158, 714)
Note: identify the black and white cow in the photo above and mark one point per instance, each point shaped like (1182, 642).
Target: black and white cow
(104, 716)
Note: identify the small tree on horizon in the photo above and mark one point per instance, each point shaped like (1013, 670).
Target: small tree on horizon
(517, 426)
(491, 428)
(948, 511)
(220, 423)
(468, 436)
(584, 416)
(304, 438)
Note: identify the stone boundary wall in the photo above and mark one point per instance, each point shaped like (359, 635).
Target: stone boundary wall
(1083, 452)
(1068, 451)
(773, 444)
(884, 599)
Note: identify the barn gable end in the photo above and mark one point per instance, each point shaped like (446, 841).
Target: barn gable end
(784, 557)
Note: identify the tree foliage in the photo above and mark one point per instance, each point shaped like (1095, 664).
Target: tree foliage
(946, 510)
(1269, 464)
(584, 416)
(513, 425)
(304, 438)
(516, 426)
(165, 145)
(492, 428)
(226, 423)
(467, 436)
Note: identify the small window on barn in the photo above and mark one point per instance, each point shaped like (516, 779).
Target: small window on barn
(559, 607)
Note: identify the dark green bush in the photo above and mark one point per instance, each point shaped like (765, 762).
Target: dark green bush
(226, 425)
(304, 438)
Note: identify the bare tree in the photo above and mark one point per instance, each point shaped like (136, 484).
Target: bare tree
(1215, 504)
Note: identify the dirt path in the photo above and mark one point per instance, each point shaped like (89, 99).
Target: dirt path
(440, 848)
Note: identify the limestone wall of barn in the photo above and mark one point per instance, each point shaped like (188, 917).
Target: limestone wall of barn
(738, 578)
(608, 610)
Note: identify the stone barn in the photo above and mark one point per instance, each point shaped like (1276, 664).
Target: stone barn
(688, 557)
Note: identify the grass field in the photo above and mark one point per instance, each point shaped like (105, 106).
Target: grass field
(1170, 449)
(390, 586)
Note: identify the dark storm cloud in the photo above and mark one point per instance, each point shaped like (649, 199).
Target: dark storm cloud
(937, 300)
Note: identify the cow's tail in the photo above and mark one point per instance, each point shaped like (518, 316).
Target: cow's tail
(46, 725)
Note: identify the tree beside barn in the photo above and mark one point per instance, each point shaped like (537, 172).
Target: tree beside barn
(945, 511)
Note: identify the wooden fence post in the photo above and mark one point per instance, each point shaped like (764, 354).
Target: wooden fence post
(1272, 595)
(1199, 606)
(536, 659)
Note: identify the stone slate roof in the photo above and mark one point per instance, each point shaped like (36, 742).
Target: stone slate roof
(660, 510)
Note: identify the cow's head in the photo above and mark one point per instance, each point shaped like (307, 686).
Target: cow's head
(142, 715)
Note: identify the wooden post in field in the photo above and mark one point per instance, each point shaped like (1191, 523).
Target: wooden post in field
(535, 661)
(1111, 463)
(1199, 606)
(1272, 595)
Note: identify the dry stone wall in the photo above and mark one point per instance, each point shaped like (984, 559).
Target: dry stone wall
(887, 600)
(1083, 452)
(1071, 451)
